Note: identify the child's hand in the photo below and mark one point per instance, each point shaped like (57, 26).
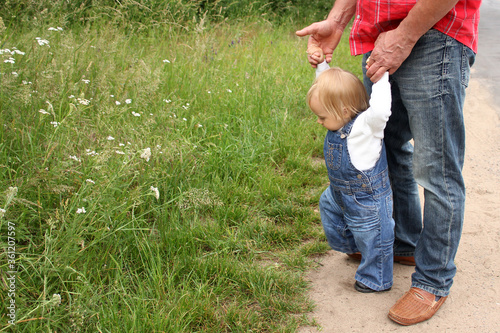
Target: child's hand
(315, 55)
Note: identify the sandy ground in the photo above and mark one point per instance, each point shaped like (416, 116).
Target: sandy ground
(474, 301)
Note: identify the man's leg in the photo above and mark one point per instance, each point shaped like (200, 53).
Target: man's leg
(432, 85)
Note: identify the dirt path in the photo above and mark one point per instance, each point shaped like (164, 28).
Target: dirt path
(474, 302)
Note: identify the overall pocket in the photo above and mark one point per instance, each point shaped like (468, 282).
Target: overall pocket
(333, 155)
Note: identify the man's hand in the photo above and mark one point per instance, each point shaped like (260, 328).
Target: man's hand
(391, 49)
(324, 36)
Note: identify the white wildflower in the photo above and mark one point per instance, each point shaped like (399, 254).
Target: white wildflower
(135, 114)
(11, 193)
(146, 154)
(121, 144)
(128, 101)
(156, 192)
(83, 101)
(42, 42)
(167, 61)
(184, 119)
(229, 91)
(75, 158)
(167, 100)
(81, 210)
(71, 96)
(15, 74)
(110, 138)
(2, 212)
(86, 81)
(55, 123)
(42, 111)
(90, 181)
(119, 152)
(117, 103)
(18, 52)
(11, 60)
(56, 299)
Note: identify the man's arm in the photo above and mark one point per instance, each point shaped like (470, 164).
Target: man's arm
(393, 47)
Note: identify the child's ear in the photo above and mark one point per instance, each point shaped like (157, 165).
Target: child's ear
(346, 113)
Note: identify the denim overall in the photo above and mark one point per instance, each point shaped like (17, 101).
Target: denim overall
(356, 211)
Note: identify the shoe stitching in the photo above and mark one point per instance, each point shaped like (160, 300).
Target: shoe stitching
(422, 317)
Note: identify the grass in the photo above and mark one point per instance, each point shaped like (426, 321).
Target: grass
(159, 182)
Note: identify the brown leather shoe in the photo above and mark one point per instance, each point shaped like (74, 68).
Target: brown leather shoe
(409, 261)
(355, 256)
(414, 307)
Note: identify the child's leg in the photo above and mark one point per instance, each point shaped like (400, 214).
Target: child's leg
(373, 230)
(338, 236)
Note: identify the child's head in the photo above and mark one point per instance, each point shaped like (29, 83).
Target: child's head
(336, 96)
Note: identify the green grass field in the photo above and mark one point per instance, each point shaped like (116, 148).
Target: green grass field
(158, 180)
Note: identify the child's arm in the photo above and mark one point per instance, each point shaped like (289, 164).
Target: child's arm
(380, 105)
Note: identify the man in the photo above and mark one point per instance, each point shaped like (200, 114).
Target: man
(428, 47)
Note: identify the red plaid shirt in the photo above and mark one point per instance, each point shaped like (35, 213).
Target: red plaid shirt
(375, 16)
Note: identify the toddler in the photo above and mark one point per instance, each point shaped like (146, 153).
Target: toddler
(356, 208)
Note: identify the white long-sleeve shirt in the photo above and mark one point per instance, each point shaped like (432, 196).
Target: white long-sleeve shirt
(365, 140)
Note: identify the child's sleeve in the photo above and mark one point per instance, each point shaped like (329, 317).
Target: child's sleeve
(380, 105)
(321, 67)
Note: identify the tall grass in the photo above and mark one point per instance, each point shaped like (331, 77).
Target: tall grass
(165, 181)
(144, 15)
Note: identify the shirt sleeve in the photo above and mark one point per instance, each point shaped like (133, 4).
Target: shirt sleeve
(380, 106)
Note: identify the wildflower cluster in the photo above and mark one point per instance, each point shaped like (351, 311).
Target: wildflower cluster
(11, 53)
(42, 42)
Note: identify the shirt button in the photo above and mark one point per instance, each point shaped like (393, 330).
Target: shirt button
(359, 177)
(363, 185)
(358, 17)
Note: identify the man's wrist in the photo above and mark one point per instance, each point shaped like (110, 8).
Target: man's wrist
(342, 13)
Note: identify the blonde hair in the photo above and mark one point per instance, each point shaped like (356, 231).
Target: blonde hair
(338, 90)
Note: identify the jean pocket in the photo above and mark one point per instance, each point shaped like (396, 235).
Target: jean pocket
(333, 156)
(364, 200)
(389, 205)
(468, 58)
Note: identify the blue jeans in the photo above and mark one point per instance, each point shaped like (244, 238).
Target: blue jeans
(428, 93)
